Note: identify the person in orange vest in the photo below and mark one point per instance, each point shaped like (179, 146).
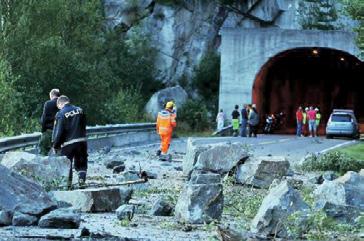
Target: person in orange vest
(166, 122)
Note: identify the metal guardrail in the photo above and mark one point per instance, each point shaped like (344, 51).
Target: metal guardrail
(224, 131)
(93, 132)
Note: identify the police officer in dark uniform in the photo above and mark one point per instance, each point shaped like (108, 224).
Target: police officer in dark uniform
(69, 135)
(47, 122)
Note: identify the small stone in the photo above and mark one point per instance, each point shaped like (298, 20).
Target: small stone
(113, 162)
(161, 208)
(118, 169)
(125, 211)
(21, 219)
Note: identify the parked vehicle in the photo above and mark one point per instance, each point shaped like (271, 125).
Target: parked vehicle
(342, 122)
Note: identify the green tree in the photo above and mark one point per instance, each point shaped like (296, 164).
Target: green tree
(206, 80)
(66, 44)
(355, 8)
(318, 14)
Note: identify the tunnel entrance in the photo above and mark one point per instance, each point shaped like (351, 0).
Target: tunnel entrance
(319, 77)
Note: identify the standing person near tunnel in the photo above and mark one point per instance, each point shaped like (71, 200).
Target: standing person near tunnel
(235, 120)
(253, 121)
(299, 119)
(166, 122)
(311, 114)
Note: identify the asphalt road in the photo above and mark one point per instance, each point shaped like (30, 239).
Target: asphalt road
(292, 147)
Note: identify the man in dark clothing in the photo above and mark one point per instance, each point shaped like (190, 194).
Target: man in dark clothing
(244, 121)
(69, 135)
(253, 121)
(47, 122)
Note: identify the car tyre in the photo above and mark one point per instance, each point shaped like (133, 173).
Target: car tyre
(329, 136)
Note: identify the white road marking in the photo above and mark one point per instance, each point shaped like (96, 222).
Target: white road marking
(337, 146)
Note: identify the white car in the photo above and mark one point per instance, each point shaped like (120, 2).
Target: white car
(342, 122)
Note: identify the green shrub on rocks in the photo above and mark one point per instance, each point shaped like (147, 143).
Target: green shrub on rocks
(332, 161)
(316, 225)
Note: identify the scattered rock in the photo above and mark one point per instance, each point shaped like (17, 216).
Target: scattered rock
(125, 211)
(61, 218)
(23, 195)
(118, 169)
(347, 190)
(218, 158)
(280, 202)
(261, 171)
(361, 173)
(200, 203)
(113, 161)
(152, 175)
(293, 182)
(94, 200)
(161, 208)
(21, 219)
(157, 101)
(6, 218)
(43, 169)
(341, 213)
(201, 177)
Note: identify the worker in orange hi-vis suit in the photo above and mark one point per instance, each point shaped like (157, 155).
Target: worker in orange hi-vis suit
(166, 122)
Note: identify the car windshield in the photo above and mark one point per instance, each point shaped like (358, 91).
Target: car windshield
(341, 118)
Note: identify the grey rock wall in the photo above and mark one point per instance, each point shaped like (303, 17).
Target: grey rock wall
(184, 32)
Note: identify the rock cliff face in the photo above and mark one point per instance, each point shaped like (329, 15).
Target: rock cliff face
(184, 30)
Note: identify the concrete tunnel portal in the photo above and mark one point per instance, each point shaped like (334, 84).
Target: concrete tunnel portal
(280, 70)
(320, 77)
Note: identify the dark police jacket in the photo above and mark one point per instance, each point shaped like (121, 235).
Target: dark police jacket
(49, 113)
(70, 126)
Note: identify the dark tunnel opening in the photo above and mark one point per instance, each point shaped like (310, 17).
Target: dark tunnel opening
(320, 77)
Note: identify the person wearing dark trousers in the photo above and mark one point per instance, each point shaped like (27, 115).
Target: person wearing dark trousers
(244, 120)
(253, 121)
(47, 122)
(69, 135)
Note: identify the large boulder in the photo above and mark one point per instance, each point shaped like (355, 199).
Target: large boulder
(280, 202)
(43, 169)
(94, 200)
(343, 198)
(18, 193)
(61, 218)
(192, 153)
(156, 102)
(261, 171)
(218, 158)
(346, 190)
(200, 203)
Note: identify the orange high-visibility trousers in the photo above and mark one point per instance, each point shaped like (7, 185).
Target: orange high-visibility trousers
(165, 142)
